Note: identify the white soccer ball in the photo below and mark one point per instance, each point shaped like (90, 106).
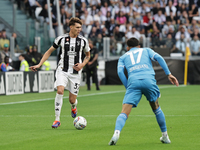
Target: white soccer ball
(80, 122)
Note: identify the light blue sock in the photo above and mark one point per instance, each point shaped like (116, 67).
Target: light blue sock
(160, 119)
(120, 122)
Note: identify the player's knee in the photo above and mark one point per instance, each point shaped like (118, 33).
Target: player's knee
(59, 91)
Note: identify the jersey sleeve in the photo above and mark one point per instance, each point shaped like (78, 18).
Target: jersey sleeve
(57, 41)
(151, 53)
(162, 63)
(120, 71)
(86, 47)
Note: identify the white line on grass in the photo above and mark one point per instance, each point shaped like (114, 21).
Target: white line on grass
(93, 94)
(91, 116)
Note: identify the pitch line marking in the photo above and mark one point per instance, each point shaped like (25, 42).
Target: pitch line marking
(93, 94)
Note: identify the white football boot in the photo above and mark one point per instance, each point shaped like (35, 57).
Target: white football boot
(114, 140)
(165, 139)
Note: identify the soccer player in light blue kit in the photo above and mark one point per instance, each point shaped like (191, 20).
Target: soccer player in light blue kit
(141, 80)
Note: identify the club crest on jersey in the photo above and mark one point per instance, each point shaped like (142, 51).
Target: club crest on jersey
(67, 41)
(78, 43)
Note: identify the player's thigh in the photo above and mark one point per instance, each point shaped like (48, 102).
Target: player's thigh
(150, 90)
(61, 78)
(133, 94)
(74, 84)
(126, 108)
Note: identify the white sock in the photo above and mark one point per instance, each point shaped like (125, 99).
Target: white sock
(75, 104)
(164, 134)
(117, 133)
(58, 105)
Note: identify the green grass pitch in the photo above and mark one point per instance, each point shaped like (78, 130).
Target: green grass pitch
(26, 121)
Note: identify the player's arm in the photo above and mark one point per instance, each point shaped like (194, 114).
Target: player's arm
(163, 64)
(120, 72)
(79, 66)
(44, 58)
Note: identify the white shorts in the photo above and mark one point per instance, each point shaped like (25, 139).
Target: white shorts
(71, 82)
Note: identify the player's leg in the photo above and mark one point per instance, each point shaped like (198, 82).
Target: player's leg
(131, 99)
(120, 122)
(160, 117)
(88, 74)
(96, 78)
(74, 83)
(73, 101)
(58, 105)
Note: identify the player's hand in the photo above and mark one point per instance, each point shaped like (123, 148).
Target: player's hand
(34, 68)
(89, 63)
(77, 67)
(173, 79)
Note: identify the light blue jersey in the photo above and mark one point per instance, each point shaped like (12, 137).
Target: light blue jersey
(141, 75)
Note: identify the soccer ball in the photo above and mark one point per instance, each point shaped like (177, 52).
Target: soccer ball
(80, 123)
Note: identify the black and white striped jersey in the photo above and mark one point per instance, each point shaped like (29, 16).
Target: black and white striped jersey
(71, 51)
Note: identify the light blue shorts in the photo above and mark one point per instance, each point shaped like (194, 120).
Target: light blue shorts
(136, 88)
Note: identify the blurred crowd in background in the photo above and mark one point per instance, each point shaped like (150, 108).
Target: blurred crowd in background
(172, 24)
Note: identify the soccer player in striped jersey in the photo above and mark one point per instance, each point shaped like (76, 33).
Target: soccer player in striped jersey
(141, 80)
(68, 72)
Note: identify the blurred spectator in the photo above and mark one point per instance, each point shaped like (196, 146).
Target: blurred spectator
(147, 22)
(93, 34)
(46, 66)
(32, 5)
(169, 42)
(182, 30)
(110, 26)
(183, 18)
(196, 33)
(68, 9)
(6, 52)
(93, 11)
(121, 19)
(195, 46)
(156, 37)
(170, 7)
(133, 33)
(139, 27)
(14, 35)
(144, 9)
(87, 20)
(105, 8)
(5, 66)
(24, 66)
(36, 54)
(66, 26)
(193, 12)
(166, 27)
(43, 15)
(113, 45)
(99, 44)
(104, 32)
(4, 39)
(180, 45)
(159, 19)
(193, 26)
(96, 3)
(156, 8)
(91, 67)
(29, 56)
(63, 16)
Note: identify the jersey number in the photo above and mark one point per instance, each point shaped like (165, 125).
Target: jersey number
(138, 57)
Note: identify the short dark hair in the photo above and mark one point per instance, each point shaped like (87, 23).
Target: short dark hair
(132, 42)
(74, 20)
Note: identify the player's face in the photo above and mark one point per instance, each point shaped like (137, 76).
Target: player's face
(76, 29)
